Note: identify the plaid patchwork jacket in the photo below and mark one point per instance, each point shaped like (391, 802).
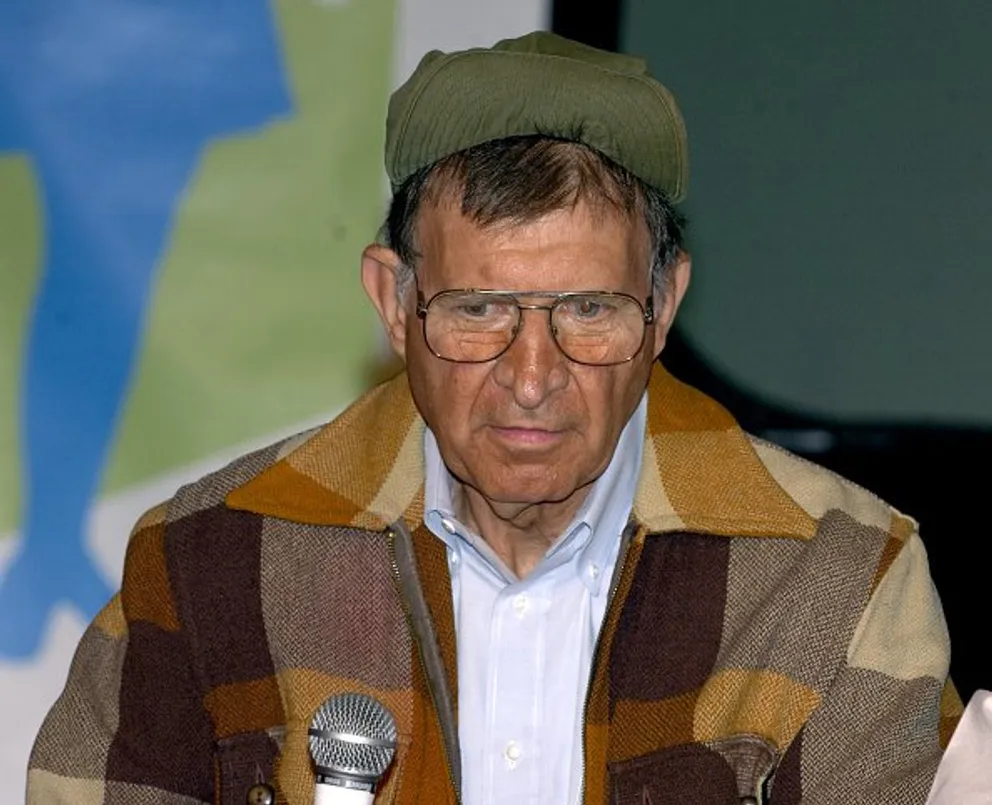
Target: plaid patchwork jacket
(773, 633)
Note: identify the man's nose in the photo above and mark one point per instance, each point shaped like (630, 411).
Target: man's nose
(533, 367)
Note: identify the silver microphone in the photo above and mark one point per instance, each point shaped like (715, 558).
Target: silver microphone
(352, 742)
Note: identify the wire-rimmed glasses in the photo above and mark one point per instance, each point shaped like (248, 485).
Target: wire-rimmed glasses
(596, 328)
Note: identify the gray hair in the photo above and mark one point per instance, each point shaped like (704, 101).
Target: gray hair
(520, 179)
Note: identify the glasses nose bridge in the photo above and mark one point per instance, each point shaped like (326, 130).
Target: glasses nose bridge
(552, 330)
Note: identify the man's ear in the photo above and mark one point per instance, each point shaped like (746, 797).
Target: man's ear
(668, 301)
(380, 266)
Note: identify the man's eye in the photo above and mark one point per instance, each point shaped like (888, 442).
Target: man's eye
(475, 310)
(587, 308)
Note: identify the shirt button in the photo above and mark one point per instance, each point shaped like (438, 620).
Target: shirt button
(521, 603)
(513, 753)
(593, 571)
(448, 525)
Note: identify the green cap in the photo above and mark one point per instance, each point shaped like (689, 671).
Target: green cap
(540, 83)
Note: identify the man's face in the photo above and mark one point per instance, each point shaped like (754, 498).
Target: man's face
(530, 426)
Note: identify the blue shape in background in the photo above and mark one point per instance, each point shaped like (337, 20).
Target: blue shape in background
(113, 102)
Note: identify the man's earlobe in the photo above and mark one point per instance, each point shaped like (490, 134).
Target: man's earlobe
(380, 269)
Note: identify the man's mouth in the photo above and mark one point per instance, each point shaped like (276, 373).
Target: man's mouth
(527, 435)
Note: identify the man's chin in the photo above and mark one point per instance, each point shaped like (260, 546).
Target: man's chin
(522, 494)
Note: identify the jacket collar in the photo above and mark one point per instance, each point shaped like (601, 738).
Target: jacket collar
(700, 471)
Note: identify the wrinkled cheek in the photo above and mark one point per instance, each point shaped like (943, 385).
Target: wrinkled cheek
(449, 403)
(434, 390)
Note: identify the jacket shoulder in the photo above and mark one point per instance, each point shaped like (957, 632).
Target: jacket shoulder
(209, 491)
(820, 491)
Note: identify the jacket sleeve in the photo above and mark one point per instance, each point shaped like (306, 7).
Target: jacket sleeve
(878, 734)
(129, 725)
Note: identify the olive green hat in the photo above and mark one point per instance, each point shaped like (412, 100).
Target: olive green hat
(540, 83)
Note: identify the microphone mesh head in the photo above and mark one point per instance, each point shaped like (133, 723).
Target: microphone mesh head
(368, 724)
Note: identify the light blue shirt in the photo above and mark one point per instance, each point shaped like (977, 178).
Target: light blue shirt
(525, 646)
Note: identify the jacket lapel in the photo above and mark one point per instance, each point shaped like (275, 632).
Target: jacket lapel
(425, 586)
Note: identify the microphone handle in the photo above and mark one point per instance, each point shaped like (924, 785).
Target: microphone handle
(330, 794)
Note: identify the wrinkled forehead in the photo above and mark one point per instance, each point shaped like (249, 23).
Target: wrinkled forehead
(587, 245)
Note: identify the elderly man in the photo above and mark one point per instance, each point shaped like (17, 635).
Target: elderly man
(568, 576)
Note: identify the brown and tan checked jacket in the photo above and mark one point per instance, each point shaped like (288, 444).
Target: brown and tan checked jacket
(773, 632)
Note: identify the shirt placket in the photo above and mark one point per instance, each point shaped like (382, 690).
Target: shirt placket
(515, 691)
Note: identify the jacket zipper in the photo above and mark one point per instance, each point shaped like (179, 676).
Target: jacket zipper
(391, 536)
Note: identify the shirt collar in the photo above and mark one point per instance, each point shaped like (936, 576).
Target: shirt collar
(590, 540)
